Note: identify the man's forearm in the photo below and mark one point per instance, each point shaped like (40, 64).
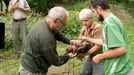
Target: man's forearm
(26, 10)
(61, 37)
(11, 8)
(95, 41)
(93, 49)
(115, 52)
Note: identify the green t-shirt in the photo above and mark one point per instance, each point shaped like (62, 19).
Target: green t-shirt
(2, 7)
(115, 37)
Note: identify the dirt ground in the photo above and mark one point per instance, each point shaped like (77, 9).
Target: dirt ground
(62, 70)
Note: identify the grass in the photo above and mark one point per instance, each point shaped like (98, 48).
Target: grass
(10, 65)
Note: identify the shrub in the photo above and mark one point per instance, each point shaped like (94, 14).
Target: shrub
(73, 25)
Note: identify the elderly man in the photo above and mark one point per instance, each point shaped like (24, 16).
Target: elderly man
(116, 51)
(90, 29)
(19, 9)
(40, 47)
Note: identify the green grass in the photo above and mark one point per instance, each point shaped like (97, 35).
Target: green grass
(9, 67)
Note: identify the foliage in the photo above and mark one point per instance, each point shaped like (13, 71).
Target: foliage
(43, 6)
(127, 4)
(76, 7)
(73, 24)
(40, 6)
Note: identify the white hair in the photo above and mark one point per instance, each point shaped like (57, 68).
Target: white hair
(57, 12)
(85, 13)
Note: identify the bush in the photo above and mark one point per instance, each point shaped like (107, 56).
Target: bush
(42, 6)
(127, 4)
(73, 24)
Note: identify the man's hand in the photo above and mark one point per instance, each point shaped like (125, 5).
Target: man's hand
(72, 55)
(75, 42)
(83, 38)
(96, 59)
(15, 6)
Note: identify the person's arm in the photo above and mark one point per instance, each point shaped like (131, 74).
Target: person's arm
(12, 6)
(61, 37)
(97, 35)
(95, 41)
(78, 41)
(26, 7)
(52, 57)
(112, 53)
(94, 49)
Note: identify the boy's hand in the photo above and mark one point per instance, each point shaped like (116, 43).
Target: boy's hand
(96, 59)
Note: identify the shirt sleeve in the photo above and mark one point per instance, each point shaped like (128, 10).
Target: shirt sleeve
(26, 4)
(114, 37)
(61, 37)
(52, 57)
(4, 5)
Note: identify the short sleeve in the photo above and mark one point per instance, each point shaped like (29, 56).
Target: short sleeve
(114, 37)
(26, 4)
(4, 5)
